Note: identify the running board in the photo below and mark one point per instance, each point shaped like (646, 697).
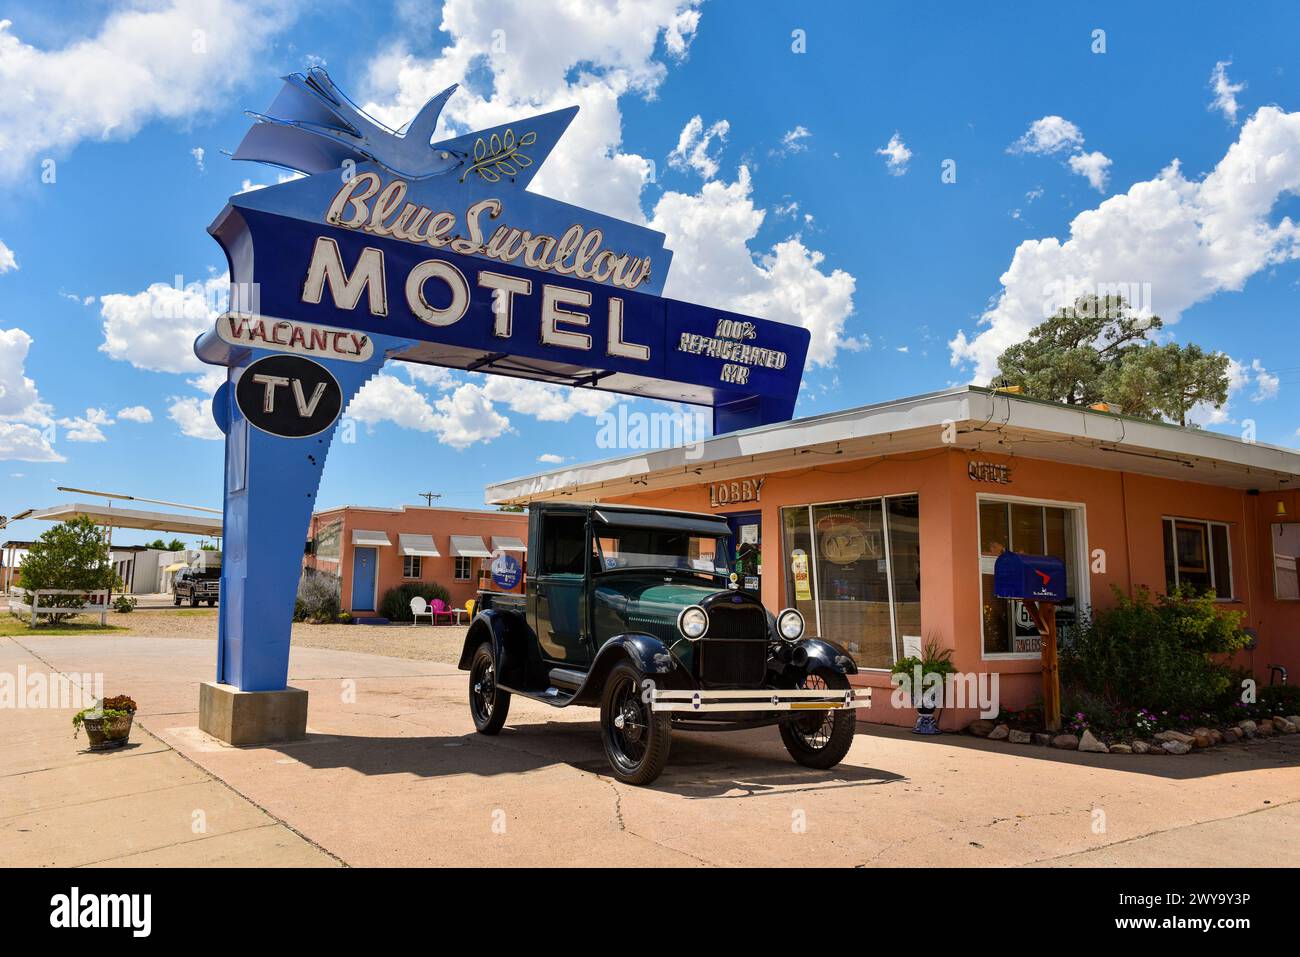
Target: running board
(798, 699)
(567, 678)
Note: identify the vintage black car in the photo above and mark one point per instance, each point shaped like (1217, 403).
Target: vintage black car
(635, 611)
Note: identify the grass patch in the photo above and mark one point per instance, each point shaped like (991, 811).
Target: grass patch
(11, 624)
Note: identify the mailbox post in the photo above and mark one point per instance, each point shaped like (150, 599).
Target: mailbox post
(1038, 582)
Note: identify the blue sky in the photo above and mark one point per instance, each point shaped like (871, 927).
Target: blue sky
(810, 189)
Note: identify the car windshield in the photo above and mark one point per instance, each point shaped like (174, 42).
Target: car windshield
(618, 548)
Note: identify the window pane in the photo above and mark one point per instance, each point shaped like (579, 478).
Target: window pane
(995, 534)
(1027, 529)
(797, 545)
(564, 541)
(852, 581)
(1222, 561)
(1192, 547)
(1286, 551)
(1171, 560)
(905, 562)
(993, 528)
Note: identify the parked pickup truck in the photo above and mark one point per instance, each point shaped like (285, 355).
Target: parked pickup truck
(197, 586)
(635, 611)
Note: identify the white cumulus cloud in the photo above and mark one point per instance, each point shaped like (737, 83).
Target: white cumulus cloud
(88, 427)
(162, 60)
(1225, 91)
(896, 155)
(1050, 134)
(1183, 240)
(692, 150)
(1093, 167)
(135, 413)
(155, 329)
(194, 416)
(7, 259)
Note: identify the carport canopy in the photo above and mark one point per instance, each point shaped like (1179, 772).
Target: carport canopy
(418, 545)
(369, 539)
(469, 546)
(209, 525)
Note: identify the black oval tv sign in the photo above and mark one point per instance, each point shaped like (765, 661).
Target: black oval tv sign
(289, 396)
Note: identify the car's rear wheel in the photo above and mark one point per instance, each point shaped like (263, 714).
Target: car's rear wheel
(488, 704)
(636, 739)
(820, 739)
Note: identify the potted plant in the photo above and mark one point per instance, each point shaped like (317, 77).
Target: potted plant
(933, 660)
(107, 723)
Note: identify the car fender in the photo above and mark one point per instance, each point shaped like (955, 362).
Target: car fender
(649, 655)
(826, 654)
(507, 633)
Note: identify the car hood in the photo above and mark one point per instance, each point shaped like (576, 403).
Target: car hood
(651, 598)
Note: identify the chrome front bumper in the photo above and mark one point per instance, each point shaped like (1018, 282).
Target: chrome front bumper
(765, 699)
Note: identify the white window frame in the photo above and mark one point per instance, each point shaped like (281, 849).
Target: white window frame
(1082, 601)
(418, 564)
(895, 638)
(1209, 554)
(469, 565)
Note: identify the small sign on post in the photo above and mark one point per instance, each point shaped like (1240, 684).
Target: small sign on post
(1038, 583)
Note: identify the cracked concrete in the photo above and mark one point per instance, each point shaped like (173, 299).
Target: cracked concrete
(392, 773)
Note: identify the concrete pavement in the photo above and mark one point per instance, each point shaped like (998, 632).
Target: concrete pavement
(393, 774)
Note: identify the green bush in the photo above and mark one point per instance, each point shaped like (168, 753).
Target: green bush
(125, 603)
(396, 603)
(1155, 654)
(319, 599)
(72, 555)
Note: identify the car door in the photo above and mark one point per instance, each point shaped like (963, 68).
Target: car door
(559, 590)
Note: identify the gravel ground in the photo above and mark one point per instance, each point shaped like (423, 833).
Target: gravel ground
(421, 642)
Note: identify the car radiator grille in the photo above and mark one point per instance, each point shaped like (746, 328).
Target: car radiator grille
(730, 622)
(732, 663)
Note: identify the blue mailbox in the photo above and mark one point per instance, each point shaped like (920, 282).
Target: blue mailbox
(1029, 577)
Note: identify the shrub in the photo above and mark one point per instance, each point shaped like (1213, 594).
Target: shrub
(319, 598)
(1157, 654)
(125, 603)
(396, 603)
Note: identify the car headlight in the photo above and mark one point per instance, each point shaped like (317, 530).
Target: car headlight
(693, 622)
(789, 624)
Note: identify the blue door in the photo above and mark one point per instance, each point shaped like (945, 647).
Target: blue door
(363, 579)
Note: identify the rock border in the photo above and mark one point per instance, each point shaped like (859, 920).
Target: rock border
(1163, 742)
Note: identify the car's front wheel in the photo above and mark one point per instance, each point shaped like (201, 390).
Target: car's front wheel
(820, 739)
(636, 739)
(488, 704)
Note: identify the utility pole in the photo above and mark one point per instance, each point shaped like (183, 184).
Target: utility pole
(429, 497)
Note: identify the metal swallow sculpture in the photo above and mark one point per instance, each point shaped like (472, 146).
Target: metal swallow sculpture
(313, 127)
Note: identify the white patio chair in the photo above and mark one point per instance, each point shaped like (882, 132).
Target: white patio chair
(420, 607)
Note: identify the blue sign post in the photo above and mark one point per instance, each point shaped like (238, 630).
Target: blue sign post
(391, 246)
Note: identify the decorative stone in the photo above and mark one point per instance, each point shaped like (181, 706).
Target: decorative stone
(1284, 725)
(1121, 748)
(1203, 741)
(980, 727)
(1066, 742)
(1295, 720)
(1090, 743)
(1176, 747)
(1178, 736)
(1041, 739)
(1264, 727)
(1141, 747)
(1236, 733)
(1155, 747)
(998, 733)
(1019, 737)
(1216, 736)
(1247, 727)
(1198, 732)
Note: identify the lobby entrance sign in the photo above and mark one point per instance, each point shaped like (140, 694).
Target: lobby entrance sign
(388, 245)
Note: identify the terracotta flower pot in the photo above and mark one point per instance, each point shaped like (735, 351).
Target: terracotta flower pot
(107, 733)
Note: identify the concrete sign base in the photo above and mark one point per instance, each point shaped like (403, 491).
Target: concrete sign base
(252, 717)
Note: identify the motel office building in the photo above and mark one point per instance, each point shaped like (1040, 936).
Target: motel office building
(374, 549)
(882, 524)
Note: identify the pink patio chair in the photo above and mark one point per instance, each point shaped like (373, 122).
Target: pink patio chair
(438, 608)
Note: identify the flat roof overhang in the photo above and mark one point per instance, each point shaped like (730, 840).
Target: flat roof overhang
(970, 419)
(209, 525)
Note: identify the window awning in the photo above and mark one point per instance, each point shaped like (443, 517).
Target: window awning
(174, 567)
(507, 543)
(469, 546)
(419, 545)
(361, 536)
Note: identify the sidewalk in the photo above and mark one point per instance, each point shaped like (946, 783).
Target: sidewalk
(143, 805)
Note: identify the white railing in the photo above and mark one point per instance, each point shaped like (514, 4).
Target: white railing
(94, 602)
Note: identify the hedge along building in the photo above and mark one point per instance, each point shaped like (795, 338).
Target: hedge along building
(882, 524)
(371, 550)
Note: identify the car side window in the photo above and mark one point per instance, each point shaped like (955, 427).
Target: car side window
(564, 542)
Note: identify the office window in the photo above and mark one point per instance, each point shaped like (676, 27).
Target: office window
(1197, 555)
(463, 568)
(854, 570)
(1030, 530)
(410, 566)
(1286, 549)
